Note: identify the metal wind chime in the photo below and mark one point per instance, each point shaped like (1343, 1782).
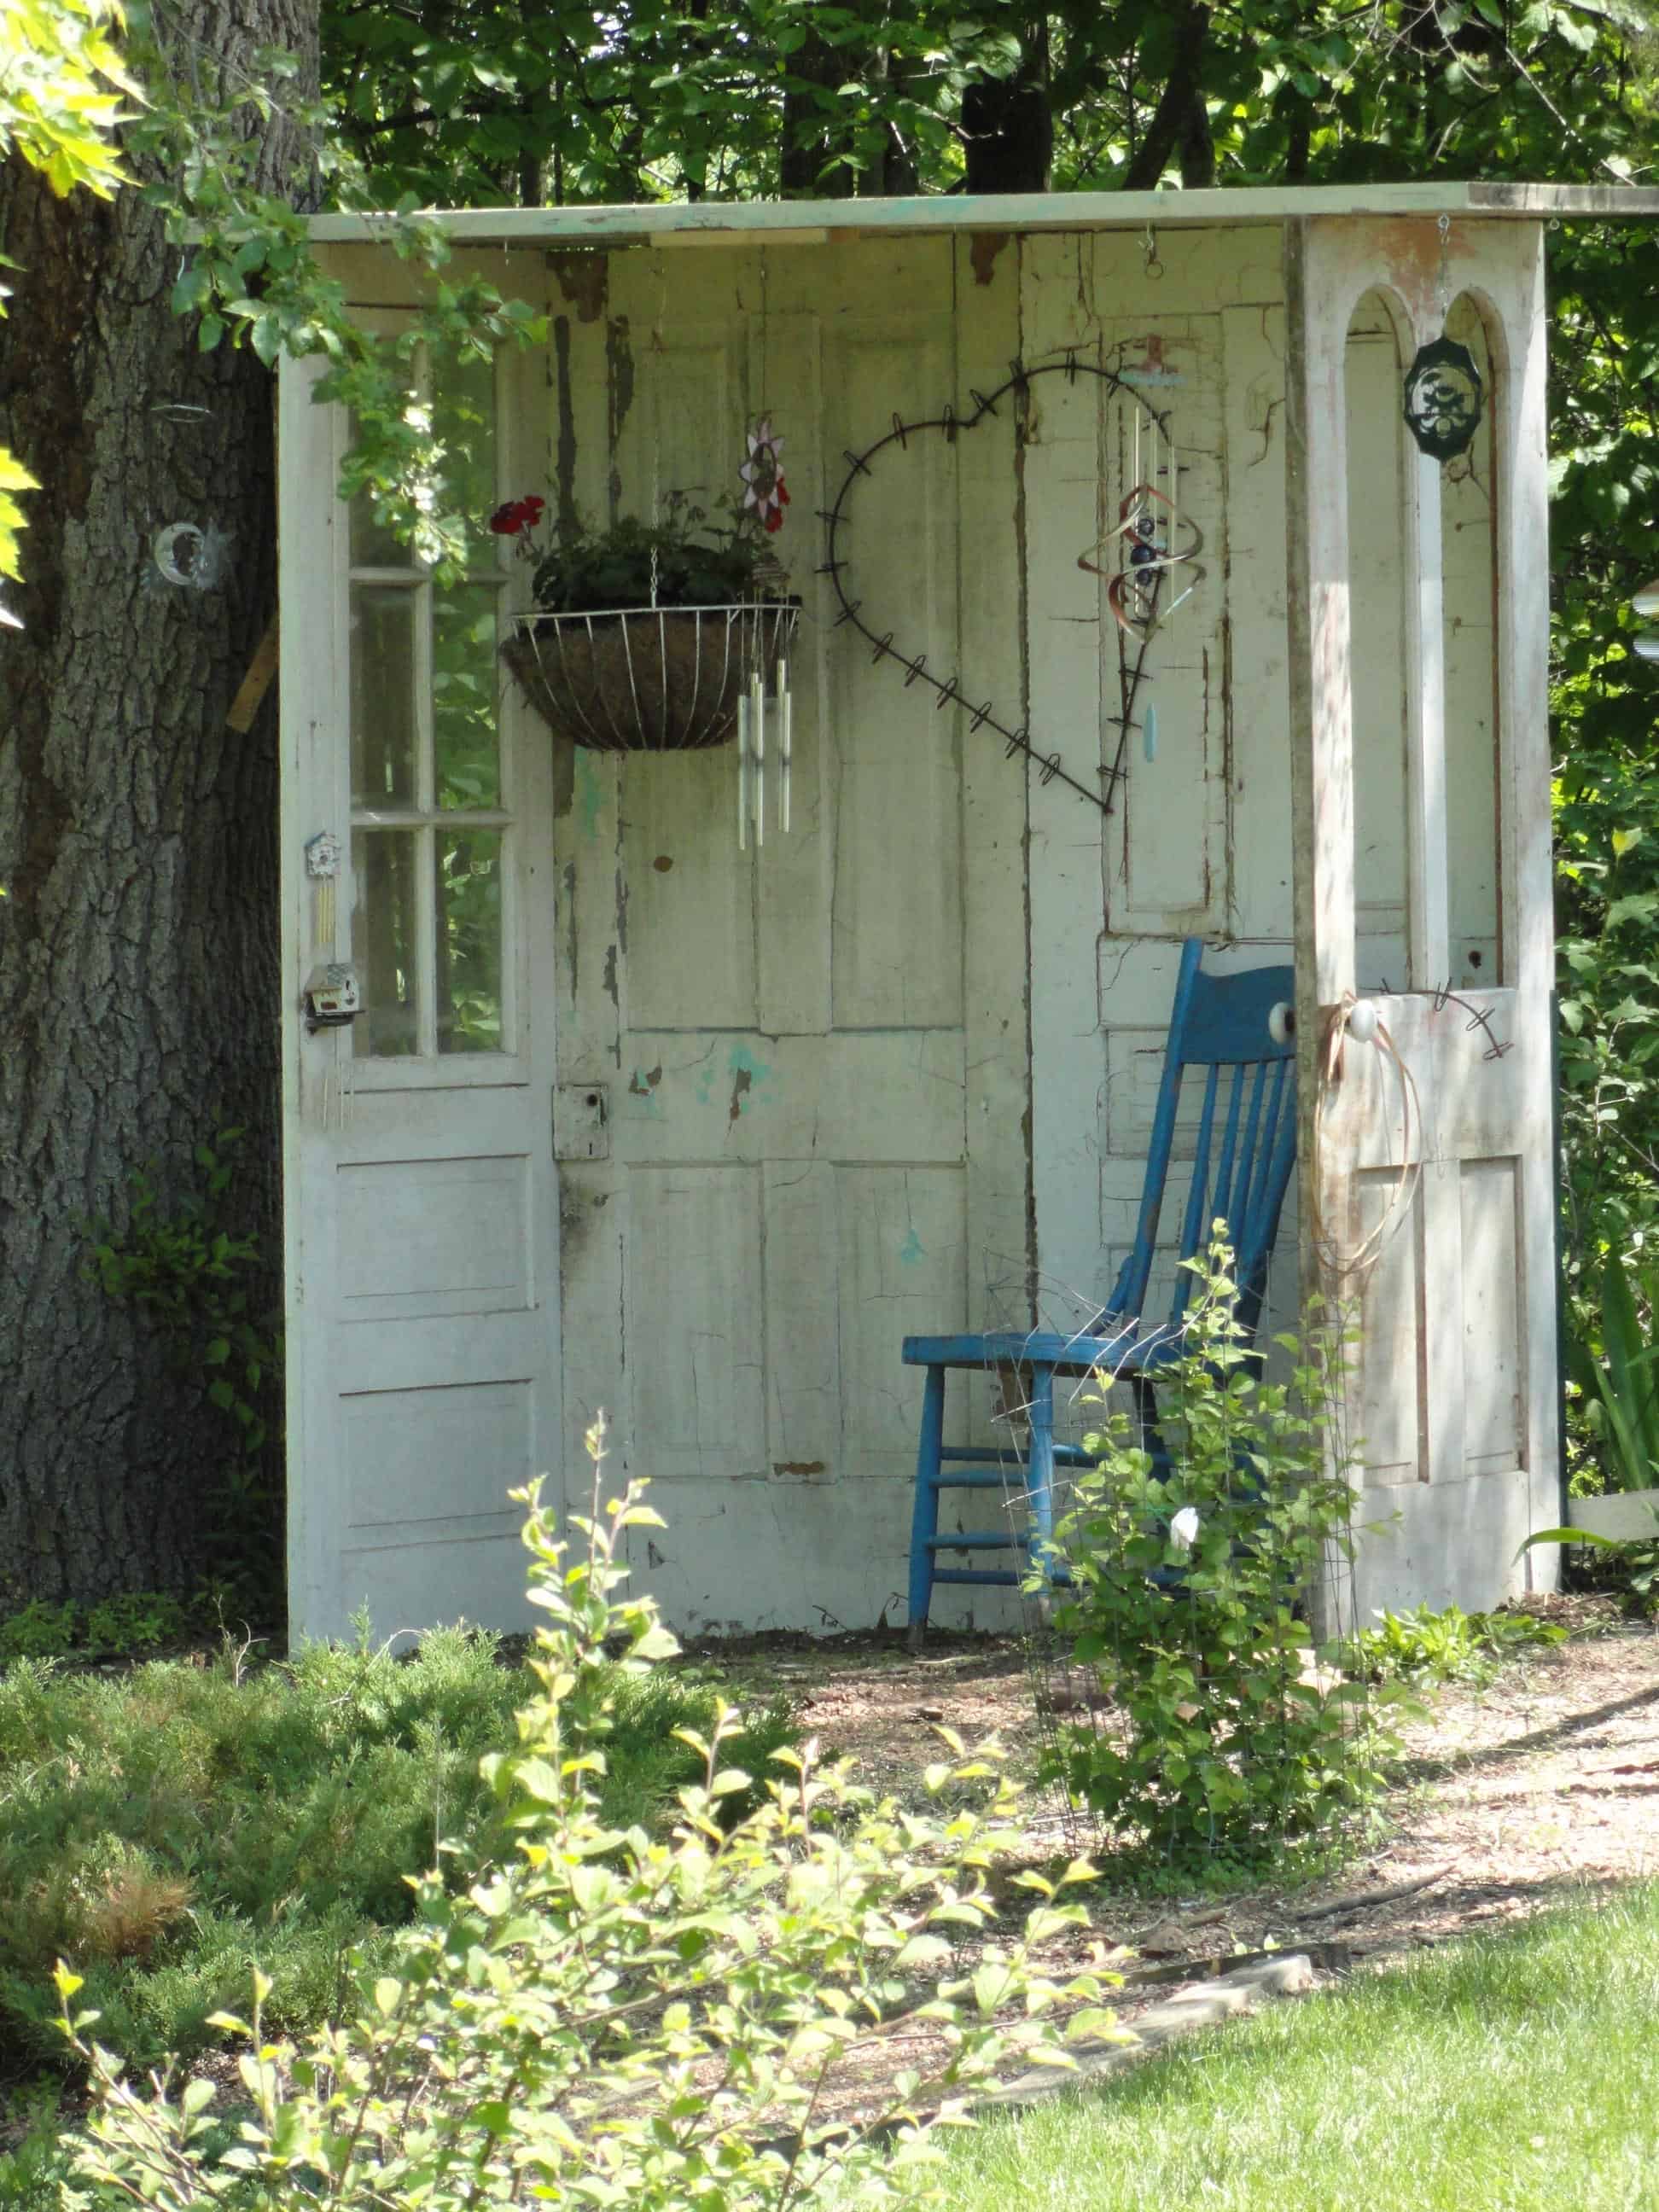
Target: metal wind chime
(765, 495)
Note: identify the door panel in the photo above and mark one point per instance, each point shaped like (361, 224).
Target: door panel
(421, 1231)
(1428, 1153)
(783, 1031)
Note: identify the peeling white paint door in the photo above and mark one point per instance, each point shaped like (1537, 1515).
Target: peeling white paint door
(810, 1056)
(1423, 807)
(421, 1254)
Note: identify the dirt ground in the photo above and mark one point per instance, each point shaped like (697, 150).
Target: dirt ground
(1513, 1794)
(1534, 1788)
(1530, 1790)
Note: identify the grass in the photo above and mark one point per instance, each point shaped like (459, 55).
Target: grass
(1504, 2073)
(165, 1829)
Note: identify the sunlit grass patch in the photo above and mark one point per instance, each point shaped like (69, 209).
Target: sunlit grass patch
(1501, 2074)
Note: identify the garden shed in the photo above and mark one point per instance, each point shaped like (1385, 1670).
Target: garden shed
(1166, 621)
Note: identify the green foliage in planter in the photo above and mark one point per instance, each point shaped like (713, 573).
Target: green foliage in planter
(612, 2018)
(1226, 1733)
(675, 562)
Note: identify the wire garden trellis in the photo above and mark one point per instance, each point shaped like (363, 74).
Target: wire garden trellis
(1083, 1715)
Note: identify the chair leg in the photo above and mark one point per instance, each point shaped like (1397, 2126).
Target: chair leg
(924, 1518)
(1040, 1473)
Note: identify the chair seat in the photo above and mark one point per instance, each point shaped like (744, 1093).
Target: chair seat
(1124, 1353)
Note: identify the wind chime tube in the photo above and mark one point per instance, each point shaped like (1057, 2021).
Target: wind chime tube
(757, 724)
(1174, 519)
(786, 754)
(743, 772)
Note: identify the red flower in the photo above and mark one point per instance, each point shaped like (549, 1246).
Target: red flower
(516, 516)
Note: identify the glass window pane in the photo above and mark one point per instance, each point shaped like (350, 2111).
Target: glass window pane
(374, 545)
(470, 940)
(464, 416)
(384, 938)
(465, 741)
(383, 724)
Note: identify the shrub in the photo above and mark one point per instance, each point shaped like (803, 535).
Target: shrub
(1226, 1731)
(611, 2018)
(1451, 1646)
(164, 1829)
(123, 1626)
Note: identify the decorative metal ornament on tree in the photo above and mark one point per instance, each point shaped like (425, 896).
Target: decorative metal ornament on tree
(1444, 401)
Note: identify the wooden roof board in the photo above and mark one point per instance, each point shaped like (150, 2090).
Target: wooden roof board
(815, 221)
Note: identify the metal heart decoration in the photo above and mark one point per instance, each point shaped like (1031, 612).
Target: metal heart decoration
(1131, 594)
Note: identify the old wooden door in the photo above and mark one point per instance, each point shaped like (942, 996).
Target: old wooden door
(1427, 1176)
(793, 1096)
(423, 1346)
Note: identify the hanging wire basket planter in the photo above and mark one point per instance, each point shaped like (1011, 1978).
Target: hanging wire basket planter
(648, 679)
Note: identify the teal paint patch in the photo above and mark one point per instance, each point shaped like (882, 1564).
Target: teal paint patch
(590, 792)
(643, 1085)
(912, 1252)
(749, 1079)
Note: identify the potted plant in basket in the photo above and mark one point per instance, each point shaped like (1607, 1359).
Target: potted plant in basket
(644, 637)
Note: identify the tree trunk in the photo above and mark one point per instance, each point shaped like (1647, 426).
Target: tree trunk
(1008, 124)
(138, 850)
(808, 140)
(1180, 123)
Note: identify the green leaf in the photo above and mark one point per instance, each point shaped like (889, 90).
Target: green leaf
(992, 1987)
(1637, 906)
(1575, 1536)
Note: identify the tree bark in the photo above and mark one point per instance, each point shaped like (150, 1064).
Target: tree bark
(138, 848)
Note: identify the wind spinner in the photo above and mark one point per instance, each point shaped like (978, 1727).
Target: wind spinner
(1152, 538)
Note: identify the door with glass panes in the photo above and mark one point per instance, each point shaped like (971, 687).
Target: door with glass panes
(422, 1227)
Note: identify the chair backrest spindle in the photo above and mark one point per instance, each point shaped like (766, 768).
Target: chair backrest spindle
(1217, 1023)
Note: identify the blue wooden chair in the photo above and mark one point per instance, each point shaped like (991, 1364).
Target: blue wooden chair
(1243, 1155)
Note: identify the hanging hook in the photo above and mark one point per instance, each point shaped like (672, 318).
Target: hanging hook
(1154, 266)
(1442, 282)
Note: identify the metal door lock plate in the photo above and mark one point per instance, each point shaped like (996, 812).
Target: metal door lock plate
(581, 1122)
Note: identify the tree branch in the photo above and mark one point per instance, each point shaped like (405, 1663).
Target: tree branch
(1172, 125)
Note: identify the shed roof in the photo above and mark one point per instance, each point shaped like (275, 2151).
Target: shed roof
(815, 221)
